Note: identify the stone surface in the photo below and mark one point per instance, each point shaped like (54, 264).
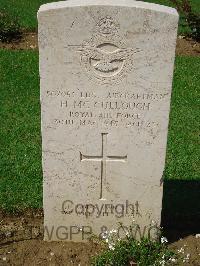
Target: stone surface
(106, 71)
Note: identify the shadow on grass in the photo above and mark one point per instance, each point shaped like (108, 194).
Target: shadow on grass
(181, 208)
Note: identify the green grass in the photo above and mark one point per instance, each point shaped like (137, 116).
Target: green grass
(27, 10)
(183, 154)
(20, 140)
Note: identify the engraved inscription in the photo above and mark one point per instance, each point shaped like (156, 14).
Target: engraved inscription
(103, 159)
(107, 109)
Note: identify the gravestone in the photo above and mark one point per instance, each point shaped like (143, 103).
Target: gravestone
(106, 71)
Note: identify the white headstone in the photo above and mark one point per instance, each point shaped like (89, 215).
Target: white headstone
(106, 71)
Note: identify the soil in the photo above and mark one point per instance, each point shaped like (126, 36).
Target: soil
(37, 252)
(189, 245)
(28, 41)
(185, 46)
(21, 244)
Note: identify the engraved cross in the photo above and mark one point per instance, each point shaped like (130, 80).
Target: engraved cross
(103, 158)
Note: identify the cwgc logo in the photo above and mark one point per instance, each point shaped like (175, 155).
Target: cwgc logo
(105, 56)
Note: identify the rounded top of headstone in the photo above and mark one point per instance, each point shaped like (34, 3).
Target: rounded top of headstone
(120, 3)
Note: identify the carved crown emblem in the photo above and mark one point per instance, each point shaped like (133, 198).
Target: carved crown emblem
(107, 25)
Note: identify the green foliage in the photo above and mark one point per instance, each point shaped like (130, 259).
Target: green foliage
(190, 19)
(183, 5)
(130, 251)
(194, 24)
(9, 27)
(25, 10)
